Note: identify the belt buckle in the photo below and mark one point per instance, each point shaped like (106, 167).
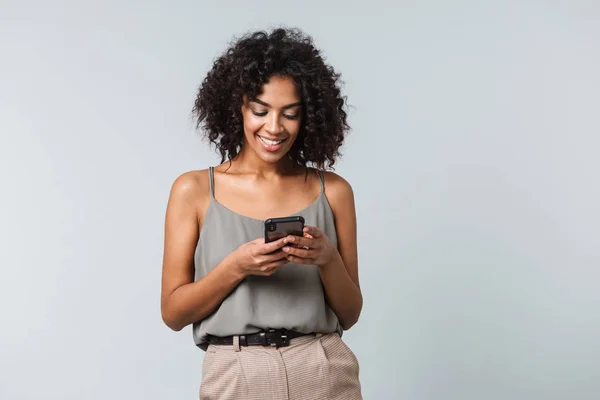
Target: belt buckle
(274, 338)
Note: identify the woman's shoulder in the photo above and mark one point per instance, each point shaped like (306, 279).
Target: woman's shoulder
(192, 181)
(337, 190)
(336, 185)
(192, 186)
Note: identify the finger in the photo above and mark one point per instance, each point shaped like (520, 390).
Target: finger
(301, 252)
(269, 269)
(265, 259)
(277, 264)
(266, 272)
(300, 260)
(313, 231)
(308, 235)
(302, 242)
(277, 255)
(267, 248)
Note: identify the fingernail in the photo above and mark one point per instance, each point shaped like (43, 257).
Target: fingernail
(290, 239)
(286, 249)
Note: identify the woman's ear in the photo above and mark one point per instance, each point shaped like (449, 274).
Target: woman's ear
(244, 101)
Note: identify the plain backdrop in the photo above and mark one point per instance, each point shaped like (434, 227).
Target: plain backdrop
(473, 157)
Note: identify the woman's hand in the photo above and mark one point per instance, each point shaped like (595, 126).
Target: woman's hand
(313, 248)
(259, 258)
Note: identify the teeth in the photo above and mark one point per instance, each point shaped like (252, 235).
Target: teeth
(270, 142)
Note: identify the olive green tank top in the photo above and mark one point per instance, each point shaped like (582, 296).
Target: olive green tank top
(292, 298)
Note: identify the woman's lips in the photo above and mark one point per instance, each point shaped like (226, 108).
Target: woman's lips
(270, 144)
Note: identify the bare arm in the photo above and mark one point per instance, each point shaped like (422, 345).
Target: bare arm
(343, 295)
(340, 275)
(338, 267)
(184, 301)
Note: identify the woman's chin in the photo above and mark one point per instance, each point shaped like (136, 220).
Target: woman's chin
(271, 158)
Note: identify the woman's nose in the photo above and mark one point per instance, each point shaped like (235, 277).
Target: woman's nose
(273, 125)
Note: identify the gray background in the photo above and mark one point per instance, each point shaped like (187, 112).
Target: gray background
(474, 159)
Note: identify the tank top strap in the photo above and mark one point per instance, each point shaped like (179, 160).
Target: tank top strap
(211, 180)
(322, 179)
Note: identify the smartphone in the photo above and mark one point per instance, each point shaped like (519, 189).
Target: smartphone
(277, 228)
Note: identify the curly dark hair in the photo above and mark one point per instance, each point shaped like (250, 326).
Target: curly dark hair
(246, 66)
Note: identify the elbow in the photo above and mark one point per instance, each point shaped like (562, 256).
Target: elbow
(346, 326)
(351, 320)
(170, 319)
(172, 323)
(348, 323)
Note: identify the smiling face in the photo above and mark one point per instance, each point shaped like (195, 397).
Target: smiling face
(272, 119)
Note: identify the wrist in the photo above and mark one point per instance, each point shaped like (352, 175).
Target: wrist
(334, 259)
(234, 268)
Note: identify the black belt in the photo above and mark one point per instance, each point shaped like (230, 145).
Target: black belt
(272, 337)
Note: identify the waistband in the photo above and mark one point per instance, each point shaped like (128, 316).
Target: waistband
(271, 337)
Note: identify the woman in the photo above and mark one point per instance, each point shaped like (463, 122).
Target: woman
(268, 315)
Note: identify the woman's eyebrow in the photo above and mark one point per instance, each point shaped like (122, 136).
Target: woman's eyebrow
(298, 103)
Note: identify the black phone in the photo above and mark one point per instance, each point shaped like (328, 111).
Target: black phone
(277, 228)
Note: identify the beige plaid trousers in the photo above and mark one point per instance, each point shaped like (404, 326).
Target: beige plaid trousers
(312, 367)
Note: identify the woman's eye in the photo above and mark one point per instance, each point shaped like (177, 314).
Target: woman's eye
(287, 116)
